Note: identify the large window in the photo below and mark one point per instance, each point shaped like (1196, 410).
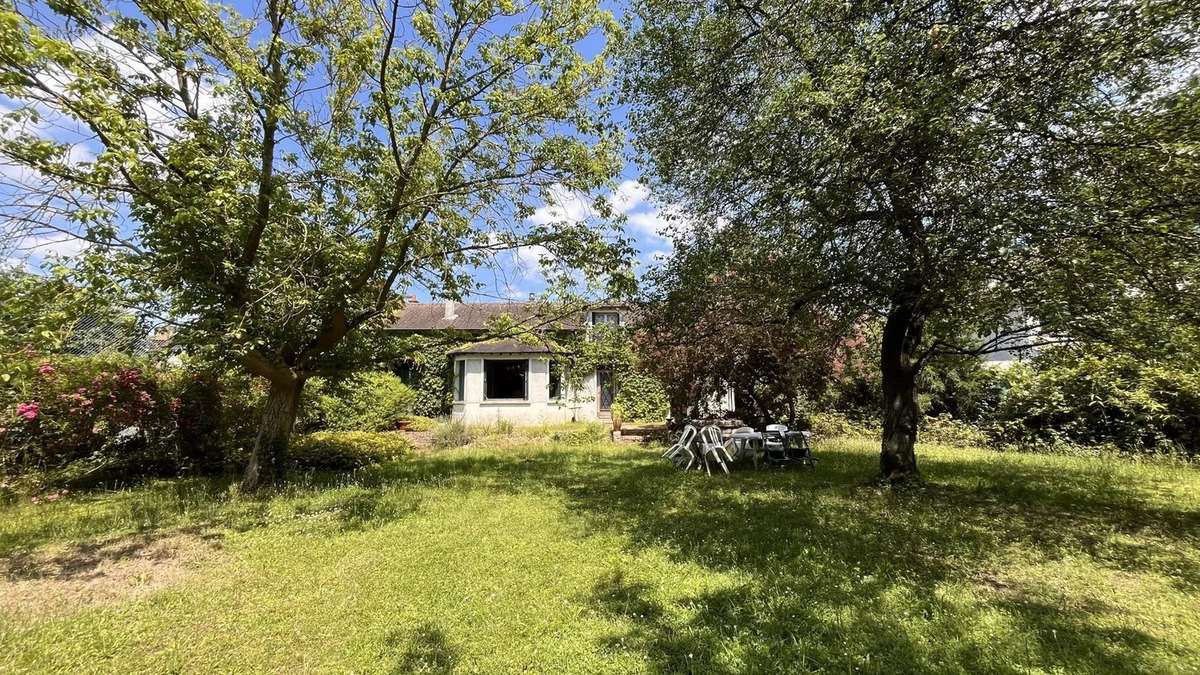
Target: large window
(460, 379)
(606, 318)
(555, 380)
(505, 379)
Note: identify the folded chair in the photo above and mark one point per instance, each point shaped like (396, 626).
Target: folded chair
(681, 452)
(775, 444)
(711, 445)
(798, 448)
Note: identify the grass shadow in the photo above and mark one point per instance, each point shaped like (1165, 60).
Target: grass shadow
(828, 559)
(425, 649)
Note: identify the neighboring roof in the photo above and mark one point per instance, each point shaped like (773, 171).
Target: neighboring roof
(467, 316)
(503, 347)
(471, 315)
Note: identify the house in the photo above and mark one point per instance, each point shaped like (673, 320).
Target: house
(507, 379)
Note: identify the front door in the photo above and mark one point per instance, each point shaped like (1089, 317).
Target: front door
(606, 392)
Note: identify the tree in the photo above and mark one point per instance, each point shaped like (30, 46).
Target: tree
(1139, 292)
(39, 313)
(268, 182)
(924, 161)
(697, 333)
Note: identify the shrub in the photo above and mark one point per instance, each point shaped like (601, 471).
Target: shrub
(452, 434)
(947, 430)
(371, 401)
(830, 424)
(108, 410)
(345, 450)
(420, 423)
(1097, 397)
(642, 397)
(429, 372)
(200, 421)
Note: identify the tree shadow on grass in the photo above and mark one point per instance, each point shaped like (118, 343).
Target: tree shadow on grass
(424, 649)
(843, 575)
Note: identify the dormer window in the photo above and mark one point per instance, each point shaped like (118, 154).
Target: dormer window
(606, 318)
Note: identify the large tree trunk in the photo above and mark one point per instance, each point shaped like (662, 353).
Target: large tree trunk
(269, 455)
(901, 411)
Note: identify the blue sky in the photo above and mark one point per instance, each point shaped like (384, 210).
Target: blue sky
(515, 274)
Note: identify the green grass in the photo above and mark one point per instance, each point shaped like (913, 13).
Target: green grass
(601, 558)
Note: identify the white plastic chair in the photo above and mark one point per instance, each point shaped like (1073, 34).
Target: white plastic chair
(745, 448)
(775, 443)
(683, 447)
(712, 445)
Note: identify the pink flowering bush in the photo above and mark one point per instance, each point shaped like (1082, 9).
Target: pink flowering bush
(76, 409)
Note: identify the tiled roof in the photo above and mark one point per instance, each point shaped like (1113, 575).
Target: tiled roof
(503, 347)
(469, 316)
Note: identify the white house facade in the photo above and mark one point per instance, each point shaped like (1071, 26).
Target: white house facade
(521, 387)
(509, 380)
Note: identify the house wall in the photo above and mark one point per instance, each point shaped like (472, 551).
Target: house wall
(578, 405)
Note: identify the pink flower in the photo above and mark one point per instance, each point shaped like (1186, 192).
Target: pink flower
(46, 369)
(28, 410)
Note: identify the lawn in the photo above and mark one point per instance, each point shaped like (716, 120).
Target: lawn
(585, 558)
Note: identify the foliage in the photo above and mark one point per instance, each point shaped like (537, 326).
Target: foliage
(839, 425)
(346, 450)
(103, 413)
(273, 178)
(368, 401)
(641, 396)
(617, 415)
(451, 434)
(202, 425)
(639, 393)
(1098, 396)
(39, 312)
(111, 417)
(1007, 563)
(428, 370)
(951, 167)
(963, 387)
(947, 430)
(420, 423)
(698, 335)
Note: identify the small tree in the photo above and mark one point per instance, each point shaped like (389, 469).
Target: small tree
(928, 162)
(699, 335)
(268, 182)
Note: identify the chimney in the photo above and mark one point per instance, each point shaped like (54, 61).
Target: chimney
(451, 311)
(412, 300)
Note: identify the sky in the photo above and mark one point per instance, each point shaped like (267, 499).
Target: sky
(516, 274)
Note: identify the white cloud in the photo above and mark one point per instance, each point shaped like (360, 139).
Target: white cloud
(57, 245)
(631, 199)
(629, 195)
(655, 223)
(563, 205)
(528, 260)
(150, 67)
